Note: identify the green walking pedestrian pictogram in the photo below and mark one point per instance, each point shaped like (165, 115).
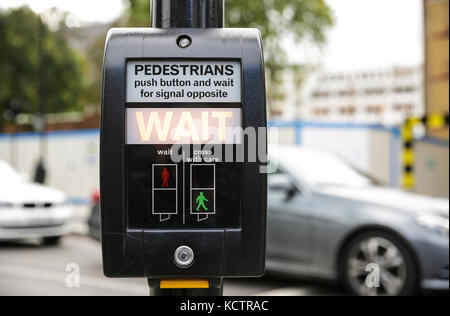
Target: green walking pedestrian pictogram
(201, 199)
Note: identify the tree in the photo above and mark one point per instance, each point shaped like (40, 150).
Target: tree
(95, 71)
(298, 20)
(37, 63)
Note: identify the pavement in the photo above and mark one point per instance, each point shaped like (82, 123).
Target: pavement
(29, 269)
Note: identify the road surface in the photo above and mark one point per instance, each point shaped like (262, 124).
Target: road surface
(30, 269)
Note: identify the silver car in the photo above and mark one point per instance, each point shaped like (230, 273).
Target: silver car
(327, 220)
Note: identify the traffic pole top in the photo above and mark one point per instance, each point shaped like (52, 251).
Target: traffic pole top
(187, 13)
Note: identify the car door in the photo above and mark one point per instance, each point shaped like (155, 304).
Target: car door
(289, 222)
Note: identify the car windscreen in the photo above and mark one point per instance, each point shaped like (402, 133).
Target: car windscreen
(319, 168)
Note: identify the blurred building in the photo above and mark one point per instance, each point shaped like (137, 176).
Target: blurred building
(432, 158)
(285, 96)
(437, 60)
(384, 97)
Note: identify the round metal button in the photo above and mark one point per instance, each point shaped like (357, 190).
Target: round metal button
(184, 256)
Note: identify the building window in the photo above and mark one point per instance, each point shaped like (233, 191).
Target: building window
(348, 110)
(321, 94)
(321, 111)
(375, 109)
(406, 89)
(409, 108)
(379, 109)
(347, 93)
(398, 107)
(351, 110)
(375, 91)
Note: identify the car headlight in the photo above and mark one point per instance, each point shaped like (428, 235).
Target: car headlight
(4, 205)
(436, 223)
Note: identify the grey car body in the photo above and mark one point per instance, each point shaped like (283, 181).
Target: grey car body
(309, 225)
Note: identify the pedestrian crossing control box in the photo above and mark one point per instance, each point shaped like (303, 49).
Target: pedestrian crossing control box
(183, 148)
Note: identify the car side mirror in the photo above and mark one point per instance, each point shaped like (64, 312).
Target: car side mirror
(282, 183)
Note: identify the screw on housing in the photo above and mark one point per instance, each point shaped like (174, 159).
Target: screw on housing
(184, 41)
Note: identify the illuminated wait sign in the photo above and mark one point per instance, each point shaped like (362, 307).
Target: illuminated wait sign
(184, 126)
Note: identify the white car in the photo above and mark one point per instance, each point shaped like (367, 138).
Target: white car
(31, 210)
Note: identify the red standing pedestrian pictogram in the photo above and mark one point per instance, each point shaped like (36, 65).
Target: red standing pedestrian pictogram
(165, 176)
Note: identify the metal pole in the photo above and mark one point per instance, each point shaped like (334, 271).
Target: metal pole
(13, 145)
(187, 14)
(40, 123)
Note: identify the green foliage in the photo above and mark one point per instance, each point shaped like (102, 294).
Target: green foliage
(95, 52)
(138, 13)
(34, 62)
(280, 19)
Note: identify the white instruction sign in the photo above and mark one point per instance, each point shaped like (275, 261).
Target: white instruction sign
(184, 82)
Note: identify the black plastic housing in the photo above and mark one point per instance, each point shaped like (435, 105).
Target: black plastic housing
(149, 253)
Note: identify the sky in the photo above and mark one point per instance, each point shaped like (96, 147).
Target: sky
(85, 10)
(375, 33)
(368, 34)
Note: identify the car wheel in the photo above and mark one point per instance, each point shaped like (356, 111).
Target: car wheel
(378, 264)
(51, 241)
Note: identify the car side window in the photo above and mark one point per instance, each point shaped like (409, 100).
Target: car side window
(280, 182)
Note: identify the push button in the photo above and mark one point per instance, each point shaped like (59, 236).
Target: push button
(184, 256)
